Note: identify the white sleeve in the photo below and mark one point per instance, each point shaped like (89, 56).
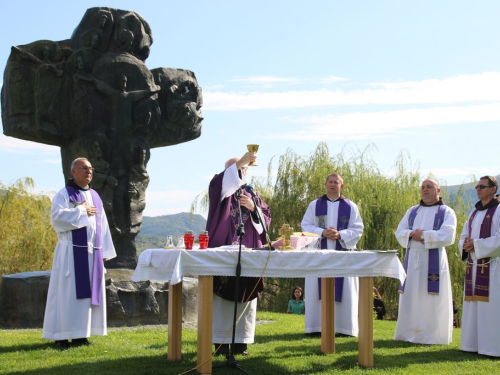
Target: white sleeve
(350, 236)
(308, 223)
(403, 231)
(490, 246)
(445, 235)
(65, 218)
(231, 182)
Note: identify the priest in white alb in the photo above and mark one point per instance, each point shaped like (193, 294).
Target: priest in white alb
(337, 221)
(480, 247)
(76, 300)
(425, 304)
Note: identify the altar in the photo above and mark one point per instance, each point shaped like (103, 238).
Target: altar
(160, 264)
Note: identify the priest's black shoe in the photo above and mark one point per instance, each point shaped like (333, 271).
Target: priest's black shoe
(240, 349)
(79, 342)
(63, 344)
(223, 350)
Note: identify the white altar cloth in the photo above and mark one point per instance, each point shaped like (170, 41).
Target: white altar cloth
(160, 264)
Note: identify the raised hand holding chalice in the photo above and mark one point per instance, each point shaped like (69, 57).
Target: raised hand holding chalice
(253, 148)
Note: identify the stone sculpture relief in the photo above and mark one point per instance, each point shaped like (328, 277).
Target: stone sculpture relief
(93, 96)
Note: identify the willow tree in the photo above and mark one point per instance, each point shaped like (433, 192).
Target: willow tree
(27, 240)
(382, 201)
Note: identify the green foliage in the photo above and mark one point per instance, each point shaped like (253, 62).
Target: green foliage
(27, 240)
(172, 224)
(382, 201)
(155, 230)
(280, 348)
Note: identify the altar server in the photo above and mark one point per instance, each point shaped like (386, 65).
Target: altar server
(76, 300)
(425, 303)
(337, 221)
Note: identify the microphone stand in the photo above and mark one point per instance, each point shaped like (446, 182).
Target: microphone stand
(262, 223)
(230, 360)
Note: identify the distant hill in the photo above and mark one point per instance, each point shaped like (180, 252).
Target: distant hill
(155, 229)
(469, 193)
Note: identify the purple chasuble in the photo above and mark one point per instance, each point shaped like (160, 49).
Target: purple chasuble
(80, 252)
(433, 262)
(482, 284)
(222, 224)
(343, 217)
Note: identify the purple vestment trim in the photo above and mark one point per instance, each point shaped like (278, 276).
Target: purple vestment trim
(482, 284)
(343, 217)
(433, 262)
(80, 253)
(221, 231)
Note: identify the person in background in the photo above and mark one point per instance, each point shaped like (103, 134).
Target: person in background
(297, 305)
(378, 304)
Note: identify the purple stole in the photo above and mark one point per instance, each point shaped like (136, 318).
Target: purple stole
(344, 215)
(433, 262)
(482, 285)
(80, 253)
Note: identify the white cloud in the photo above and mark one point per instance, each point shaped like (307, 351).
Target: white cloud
(459, 89)
(363, 125)
(333, 79)
(166, 202)
(266, 79)
(19, 146)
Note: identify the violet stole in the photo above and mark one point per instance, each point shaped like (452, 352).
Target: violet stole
(343, 218)
(80, 253)
(433, 261)
(482, 284)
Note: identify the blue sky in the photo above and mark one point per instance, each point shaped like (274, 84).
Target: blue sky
(420, 77)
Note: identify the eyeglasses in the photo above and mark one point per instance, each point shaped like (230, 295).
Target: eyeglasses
(481, 186)
(86, 168)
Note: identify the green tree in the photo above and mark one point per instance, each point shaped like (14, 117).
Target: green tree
(382, 201)
(27, 240)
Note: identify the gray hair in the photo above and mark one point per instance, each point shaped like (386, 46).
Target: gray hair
(434, 181)
(73, 163)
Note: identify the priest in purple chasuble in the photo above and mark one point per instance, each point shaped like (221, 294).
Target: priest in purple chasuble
(222, 223)
(337, 221)
(480, 248)
(425, 302)
(76, 300)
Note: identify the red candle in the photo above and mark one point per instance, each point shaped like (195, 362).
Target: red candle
(203, 240)
(189, 239)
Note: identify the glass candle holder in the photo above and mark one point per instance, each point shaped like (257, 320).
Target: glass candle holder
(203, 240)
(180, 243)
(189, 239)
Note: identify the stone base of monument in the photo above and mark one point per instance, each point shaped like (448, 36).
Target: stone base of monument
(23, 297)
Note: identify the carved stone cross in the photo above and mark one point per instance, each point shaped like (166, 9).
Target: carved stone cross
(93, 96)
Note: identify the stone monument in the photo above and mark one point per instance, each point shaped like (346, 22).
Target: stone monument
(93, 96)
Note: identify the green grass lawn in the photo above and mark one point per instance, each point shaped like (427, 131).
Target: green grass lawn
(281, 347)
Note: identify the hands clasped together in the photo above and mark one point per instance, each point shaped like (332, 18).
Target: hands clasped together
(331, 233)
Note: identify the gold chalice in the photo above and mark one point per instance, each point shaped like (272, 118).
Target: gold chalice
(253, 148)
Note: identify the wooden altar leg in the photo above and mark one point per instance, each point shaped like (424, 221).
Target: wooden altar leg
(205, 313)
(174, 322)
(328, 315)
(365, 343)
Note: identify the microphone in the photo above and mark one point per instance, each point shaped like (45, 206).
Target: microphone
(249, 189)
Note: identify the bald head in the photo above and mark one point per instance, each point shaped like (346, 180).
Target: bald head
(231, 162)
(429, 191)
